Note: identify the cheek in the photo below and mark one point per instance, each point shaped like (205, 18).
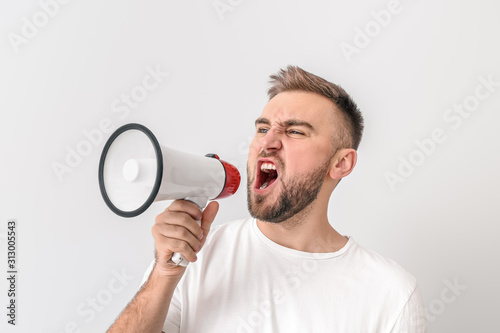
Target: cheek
(301, 162)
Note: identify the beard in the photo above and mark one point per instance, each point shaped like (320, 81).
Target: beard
(296, 195)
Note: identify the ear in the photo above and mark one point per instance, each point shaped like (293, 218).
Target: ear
(343, 163)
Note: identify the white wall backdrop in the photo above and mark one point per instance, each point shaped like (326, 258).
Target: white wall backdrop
(425, 191)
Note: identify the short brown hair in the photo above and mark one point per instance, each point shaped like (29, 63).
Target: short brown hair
(297, 79)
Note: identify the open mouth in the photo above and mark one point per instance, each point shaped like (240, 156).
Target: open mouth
(266, 174)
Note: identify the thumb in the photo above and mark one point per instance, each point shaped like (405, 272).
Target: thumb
(208, 217)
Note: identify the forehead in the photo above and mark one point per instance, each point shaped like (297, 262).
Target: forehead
(313, 108)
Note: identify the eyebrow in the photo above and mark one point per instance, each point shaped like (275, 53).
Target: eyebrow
(287, 123)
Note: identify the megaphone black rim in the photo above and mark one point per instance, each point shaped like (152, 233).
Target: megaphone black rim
(159, 170)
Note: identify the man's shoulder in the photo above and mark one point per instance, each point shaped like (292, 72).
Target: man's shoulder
(381, 269)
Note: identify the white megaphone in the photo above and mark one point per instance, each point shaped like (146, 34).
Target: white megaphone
(135, 171)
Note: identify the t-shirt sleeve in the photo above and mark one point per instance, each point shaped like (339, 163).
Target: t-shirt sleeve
(173, 320)
(412, 317)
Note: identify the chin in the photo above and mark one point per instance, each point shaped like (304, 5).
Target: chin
(262, 211)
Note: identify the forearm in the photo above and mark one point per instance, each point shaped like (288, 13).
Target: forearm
(175, 230)
(148, 309)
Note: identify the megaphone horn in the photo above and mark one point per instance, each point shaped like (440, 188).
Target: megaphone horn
(135, 171)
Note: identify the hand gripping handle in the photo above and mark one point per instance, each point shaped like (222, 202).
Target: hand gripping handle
(177, 258)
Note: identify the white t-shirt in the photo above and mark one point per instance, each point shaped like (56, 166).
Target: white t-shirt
(243, 282)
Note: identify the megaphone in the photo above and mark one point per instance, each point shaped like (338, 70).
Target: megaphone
(135, 171)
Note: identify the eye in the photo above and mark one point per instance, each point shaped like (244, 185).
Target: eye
(295, 132)
(262, 130)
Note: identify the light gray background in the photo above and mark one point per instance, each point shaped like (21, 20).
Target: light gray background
(441, 223)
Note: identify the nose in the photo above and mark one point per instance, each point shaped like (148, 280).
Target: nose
(271, 141)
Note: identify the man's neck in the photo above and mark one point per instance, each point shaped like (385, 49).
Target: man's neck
(308, 231)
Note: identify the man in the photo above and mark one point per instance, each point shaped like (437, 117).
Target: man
(286, 269)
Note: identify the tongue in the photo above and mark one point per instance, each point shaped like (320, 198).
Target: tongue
(269, 180)
(269, 177)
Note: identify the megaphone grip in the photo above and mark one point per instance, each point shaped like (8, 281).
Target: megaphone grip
(177, 258)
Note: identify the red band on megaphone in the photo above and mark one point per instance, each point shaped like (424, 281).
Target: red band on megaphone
(232, 180)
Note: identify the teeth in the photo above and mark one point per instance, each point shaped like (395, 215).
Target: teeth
(267, 166)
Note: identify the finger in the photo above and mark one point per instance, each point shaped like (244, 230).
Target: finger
(180, 219)
(166, 246)
(208, 217)
(185, 206)
(178, 233)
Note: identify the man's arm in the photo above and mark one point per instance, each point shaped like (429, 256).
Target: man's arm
(175, 230)
(148, 309)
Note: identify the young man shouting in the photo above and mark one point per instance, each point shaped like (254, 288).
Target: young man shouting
(286, 269)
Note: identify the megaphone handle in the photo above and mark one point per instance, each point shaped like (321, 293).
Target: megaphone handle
(177, 258)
